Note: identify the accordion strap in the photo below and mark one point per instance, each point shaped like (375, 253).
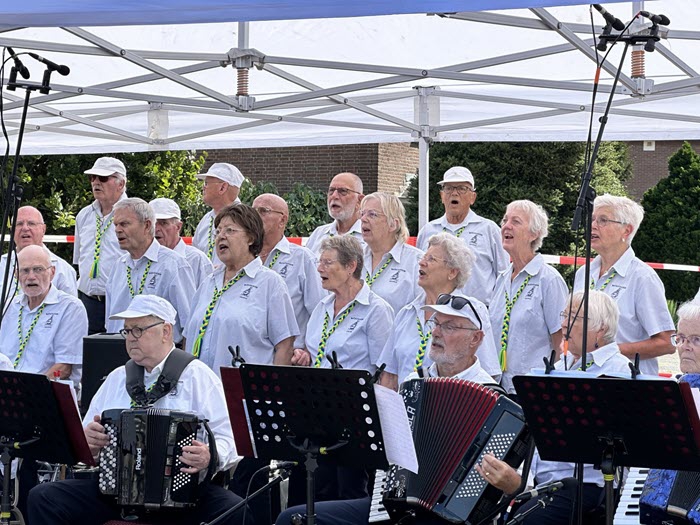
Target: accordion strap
(172, 370)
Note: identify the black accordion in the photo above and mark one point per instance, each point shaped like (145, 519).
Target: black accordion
(141, 464)
(454, 423)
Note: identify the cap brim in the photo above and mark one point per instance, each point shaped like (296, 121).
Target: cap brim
(167, 216)
(101, 172)
(463, 180)
(446, 309)
(128, 314)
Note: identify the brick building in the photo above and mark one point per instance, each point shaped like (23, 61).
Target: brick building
(650, 163)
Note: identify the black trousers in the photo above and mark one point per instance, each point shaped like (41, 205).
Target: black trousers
(95, 312)
(561, 510)
(79, 501)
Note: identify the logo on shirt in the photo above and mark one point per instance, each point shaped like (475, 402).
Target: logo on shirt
(352, 327)
(174, 392)
(395, 276)
(284, 268)
(49, 319)
(531, 291)
(617, 289)
(474, 239)
(246, 291)
(152, 279)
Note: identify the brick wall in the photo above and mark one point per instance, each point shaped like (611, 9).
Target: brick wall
(398, 162)
(649, 167)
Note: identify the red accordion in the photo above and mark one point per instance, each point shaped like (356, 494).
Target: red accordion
(454, 423)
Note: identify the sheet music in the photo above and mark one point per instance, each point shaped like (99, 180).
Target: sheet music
(696, 398)
(398, 439)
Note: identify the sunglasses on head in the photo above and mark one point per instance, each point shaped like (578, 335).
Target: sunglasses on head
(457, 303)
(103, 178)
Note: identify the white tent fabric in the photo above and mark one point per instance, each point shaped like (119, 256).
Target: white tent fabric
(518, 75)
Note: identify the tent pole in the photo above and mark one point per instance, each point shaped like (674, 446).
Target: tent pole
(422, 115)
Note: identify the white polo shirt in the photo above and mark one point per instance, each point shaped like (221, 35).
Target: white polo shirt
(483, 237)
(397, 283)
(534, 318)
(399, 352)
(605, 360)
(641, 298)
(359, 339)
(474, 373)
(169, 277)
(57, 336)
(84, 247)
(331, 230)
(201, 266)
(65, 278)
(296, 266)
(204, 236)
(255, 314)
(198, 390)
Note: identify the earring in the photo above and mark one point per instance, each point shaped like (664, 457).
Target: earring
(596, 344)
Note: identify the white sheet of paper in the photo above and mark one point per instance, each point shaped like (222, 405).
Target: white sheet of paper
(398, 439)
(696, 398)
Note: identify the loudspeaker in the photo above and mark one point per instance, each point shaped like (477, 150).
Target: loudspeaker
(102, 353)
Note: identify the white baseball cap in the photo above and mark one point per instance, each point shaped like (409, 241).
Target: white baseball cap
(165, 208)
(106, 166)
(467, 311)
(225, 172)
(458, 174)
(143, 305)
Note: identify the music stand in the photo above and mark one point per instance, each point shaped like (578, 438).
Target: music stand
(38, 419)
(610, 422)
(298, 414)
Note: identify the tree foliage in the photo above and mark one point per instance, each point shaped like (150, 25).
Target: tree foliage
(671, 227)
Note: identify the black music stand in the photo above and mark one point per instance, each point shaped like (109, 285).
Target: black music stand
(610, 422)
(38, 420)
(299, 413)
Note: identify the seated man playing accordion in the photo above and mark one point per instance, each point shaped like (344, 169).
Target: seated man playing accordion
(148, 329)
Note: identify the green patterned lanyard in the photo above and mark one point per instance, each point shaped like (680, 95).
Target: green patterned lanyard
(143, 279)
(506, 323)
(197, 347)
(325, 334)
(274, 259)
(369, 279)
(134, 404)
(422, 346)
(23, 341)
(99, 232)
(210, 242)
(605, 284)
(457, 233)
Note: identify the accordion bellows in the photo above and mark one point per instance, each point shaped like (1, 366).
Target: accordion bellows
(454, 423)
(141, 465)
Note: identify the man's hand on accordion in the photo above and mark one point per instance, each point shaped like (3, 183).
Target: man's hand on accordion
(196, 455)
(96, 436)
(499, 474)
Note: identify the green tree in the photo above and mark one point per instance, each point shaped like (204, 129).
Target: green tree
(671, 227)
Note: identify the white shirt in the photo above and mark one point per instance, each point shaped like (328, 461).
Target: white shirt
(198, 390)
(697, 296)
(641, 298)
(5, 363)
(169, 277)
(399, 352)
(534, 317)
(359, 339)
(297, 268)
(398, 282)
(201, 266)
(255, 314)
(603, 361)
(204, 235)
(57, 336)
(84, 248)
(331, 230)
(483, 237)
(64, 279)
(474, 373)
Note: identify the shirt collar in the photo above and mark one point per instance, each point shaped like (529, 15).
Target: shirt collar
(469, 374)
(282, 246)
(598, 357)
(157, 369)
(471, 217)
(395, 253)
(51, 297)
(621, 266)
(356, 228)
(534, 266)
(98, 210)
(151, 254)
(180, 247)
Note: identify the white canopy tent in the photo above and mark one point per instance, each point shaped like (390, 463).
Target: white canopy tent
(517, 75)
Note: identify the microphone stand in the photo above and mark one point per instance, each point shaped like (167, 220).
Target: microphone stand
(541, 504)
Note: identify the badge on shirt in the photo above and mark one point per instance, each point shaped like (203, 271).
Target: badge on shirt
(49, 319)
(152, 279)
(396, 275)
(247, 290)
(474, 238)
(284, 269)
(353, 325)
(616, 290)
(530, 291)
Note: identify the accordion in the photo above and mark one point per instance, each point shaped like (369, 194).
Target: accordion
(454, 423)
(670, 497)
(141, 465)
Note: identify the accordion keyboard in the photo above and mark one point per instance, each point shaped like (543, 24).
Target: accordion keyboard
(627, 512)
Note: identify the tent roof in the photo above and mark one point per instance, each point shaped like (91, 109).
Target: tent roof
(515, 76)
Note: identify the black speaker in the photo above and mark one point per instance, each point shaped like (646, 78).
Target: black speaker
(102, 353)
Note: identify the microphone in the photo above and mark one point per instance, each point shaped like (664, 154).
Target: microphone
(285, 465)
(616, 23)
(21, 68)
(545, 489)
(661, 20)
(62, 70)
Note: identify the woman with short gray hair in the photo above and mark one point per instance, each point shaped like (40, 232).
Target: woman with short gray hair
(687, 337)
(528, 297)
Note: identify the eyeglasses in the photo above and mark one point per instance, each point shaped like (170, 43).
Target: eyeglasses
(264, 210)
(137, 331)
(326, 262)
(343, 192)
(38, 270)
(226, 232)
(457, 303)
(431, 259)
(604, 221)
(445, 328)
(461, 190)
(103, 178)
(370, 214)
(28, 224)
(680, 340)
(565, 315)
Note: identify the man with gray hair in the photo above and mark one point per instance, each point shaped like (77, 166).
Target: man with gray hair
(147, 267)
(168, 226)
(344, 199)
(222, 184)
(96, 248)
